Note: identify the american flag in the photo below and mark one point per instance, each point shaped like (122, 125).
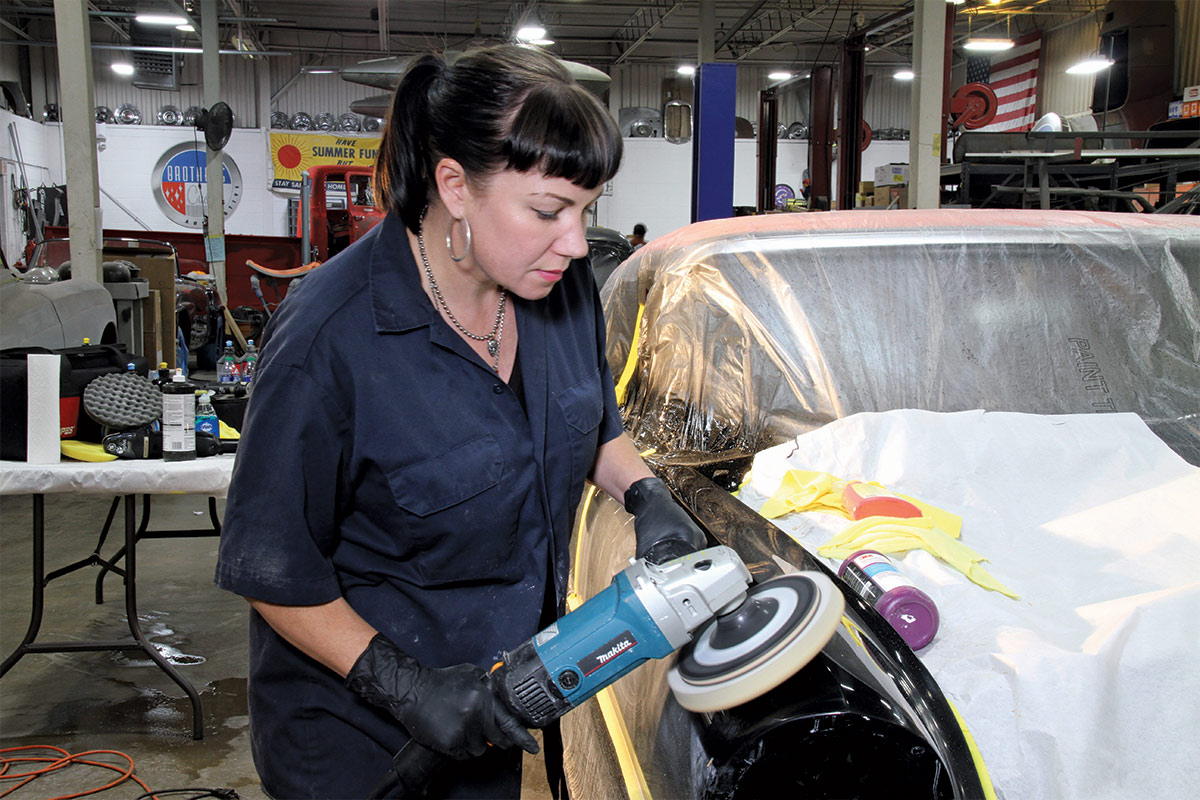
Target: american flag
(1013, 77)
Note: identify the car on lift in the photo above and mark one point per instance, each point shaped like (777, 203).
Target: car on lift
(198, 308)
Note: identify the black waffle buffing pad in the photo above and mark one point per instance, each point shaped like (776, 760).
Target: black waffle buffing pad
(122, 400)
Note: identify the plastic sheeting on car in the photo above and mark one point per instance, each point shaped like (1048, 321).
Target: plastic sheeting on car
(759, 328)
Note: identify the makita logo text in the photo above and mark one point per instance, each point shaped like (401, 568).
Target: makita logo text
(621, 643)
(617, 649)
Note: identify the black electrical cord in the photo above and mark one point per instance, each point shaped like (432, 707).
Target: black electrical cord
(201, 791)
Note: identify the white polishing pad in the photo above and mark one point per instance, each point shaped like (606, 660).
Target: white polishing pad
(704, 686)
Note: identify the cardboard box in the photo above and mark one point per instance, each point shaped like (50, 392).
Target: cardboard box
(160, 272)
(885, 196)
(1191, 93)
(866, 187)
(891, 175)
(864, 200)
(1175, 109)
(152, 347)
(1190, 108)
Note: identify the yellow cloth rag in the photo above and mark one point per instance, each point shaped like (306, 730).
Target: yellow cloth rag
(896, 535)
(806, 490)
(937, 530)
(228, 433)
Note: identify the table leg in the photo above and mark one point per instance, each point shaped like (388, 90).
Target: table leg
(139, 642)
(39, 585)
(135, 627)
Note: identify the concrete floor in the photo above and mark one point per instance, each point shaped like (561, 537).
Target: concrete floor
(114, 701)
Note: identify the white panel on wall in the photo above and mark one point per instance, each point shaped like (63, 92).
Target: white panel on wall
(1187, 43)
(1057, 91)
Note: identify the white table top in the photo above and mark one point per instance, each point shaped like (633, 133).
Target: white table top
(207, 476)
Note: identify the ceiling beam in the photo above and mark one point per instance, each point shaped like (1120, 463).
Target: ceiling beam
(642, 25)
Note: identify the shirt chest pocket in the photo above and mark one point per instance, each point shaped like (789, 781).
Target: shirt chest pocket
(582, 407)
(457, 522)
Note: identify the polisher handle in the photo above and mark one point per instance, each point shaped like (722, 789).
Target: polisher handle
(412, 769)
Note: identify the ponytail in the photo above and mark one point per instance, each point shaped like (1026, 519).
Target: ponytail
(503, 107)
(403, 169)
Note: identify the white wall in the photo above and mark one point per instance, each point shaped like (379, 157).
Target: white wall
(41, 151)
(654, 185)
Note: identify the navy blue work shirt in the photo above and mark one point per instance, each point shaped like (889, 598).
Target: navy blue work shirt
(384, 462)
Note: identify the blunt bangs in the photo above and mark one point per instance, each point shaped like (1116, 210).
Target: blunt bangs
(565, 132)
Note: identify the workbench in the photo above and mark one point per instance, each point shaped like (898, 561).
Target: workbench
(123, 480)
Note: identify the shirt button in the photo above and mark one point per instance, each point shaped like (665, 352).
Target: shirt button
(498, 388)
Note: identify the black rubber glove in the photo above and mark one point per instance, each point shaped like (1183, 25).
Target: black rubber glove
(664, 530)
(450, 710)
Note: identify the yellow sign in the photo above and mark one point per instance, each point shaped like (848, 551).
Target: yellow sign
(293, 152)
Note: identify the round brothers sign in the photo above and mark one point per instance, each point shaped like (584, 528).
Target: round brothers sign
(179, 184)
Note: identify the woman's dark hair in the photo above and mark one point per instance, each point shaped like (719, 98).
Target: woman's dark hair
(504, 107)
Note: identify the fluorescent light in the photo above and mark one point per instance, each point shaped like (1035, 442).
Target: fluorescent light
(531, 32)
(185, 28)
(1090, 65)
(904, 75)
(956, 2)
(161, 19)
(122, 69)
(989, 45)
(686, 69)
(779, 76)
(541, 42)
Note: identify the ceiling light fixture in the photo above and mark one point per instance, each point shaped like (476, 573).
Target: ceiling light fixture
(1090, 65)
(530, 32)
(779, 76)
(185, 28)
(153, 18)
(318, 70)
(904, 75)
(686, 69)
(121, 68)
(542, 42)
(985, 45)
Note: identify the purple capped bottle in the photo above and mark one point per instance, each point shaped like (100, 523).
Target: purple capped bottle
(877, 580)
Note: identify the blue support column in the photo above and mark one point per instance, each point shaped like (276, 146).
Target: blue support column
(712, 147)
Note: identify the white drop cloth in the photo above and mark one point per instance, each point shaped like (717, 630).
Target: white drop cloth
(1088, 686)
(209, 476)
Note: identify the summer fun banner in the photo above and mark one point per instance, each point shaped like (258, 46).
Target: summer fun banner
(293, 152)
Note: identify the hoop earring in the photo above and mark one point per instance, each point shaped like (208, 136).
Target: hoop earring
(450, 242)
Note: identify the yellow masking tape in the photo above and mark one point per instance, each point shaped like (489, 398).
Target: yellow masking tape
(631, 359)
(985, 780)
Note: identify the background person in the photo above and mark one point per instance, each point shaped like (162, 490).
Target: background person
(639, 236)
(427, 408)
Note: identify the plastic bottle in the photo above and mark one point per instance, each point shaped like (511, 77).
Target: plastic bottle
(163, 376)
(227, 367)
(179, 419)
(206, 416)
(249, 363)
(877, 580)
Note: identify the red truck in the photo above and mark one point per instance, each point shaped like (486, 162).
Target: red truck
(337, 208)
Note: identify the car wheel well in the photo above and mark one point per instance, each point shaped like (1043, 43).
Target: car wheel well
(110, 334)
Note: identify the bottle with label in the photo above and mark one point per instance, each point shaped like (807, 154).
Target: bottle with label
(875, 578)
(179, 419)
(249, 363)
(227, 367)
(206, 416)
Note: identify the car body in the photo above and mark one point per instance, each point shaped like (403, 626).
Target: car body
(38, 310)
(756, 330)
(198, 307)
(606, 250)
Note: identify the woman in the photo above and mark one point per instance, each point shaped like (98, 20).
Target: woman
(426, 410)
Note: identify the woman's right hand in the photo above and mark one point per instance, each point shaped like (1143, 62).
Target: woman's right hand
(451, 710)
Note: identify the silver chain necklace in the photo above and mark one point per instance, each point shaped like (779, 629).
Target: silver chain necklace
(492, 338)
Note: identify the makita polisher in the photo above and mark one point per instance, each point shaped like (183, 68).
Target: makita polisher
(739, 641)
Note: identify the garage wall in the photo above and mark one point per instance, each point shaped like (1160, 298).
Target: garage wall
(1059, 92)
(41, 150)
(654, 188)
